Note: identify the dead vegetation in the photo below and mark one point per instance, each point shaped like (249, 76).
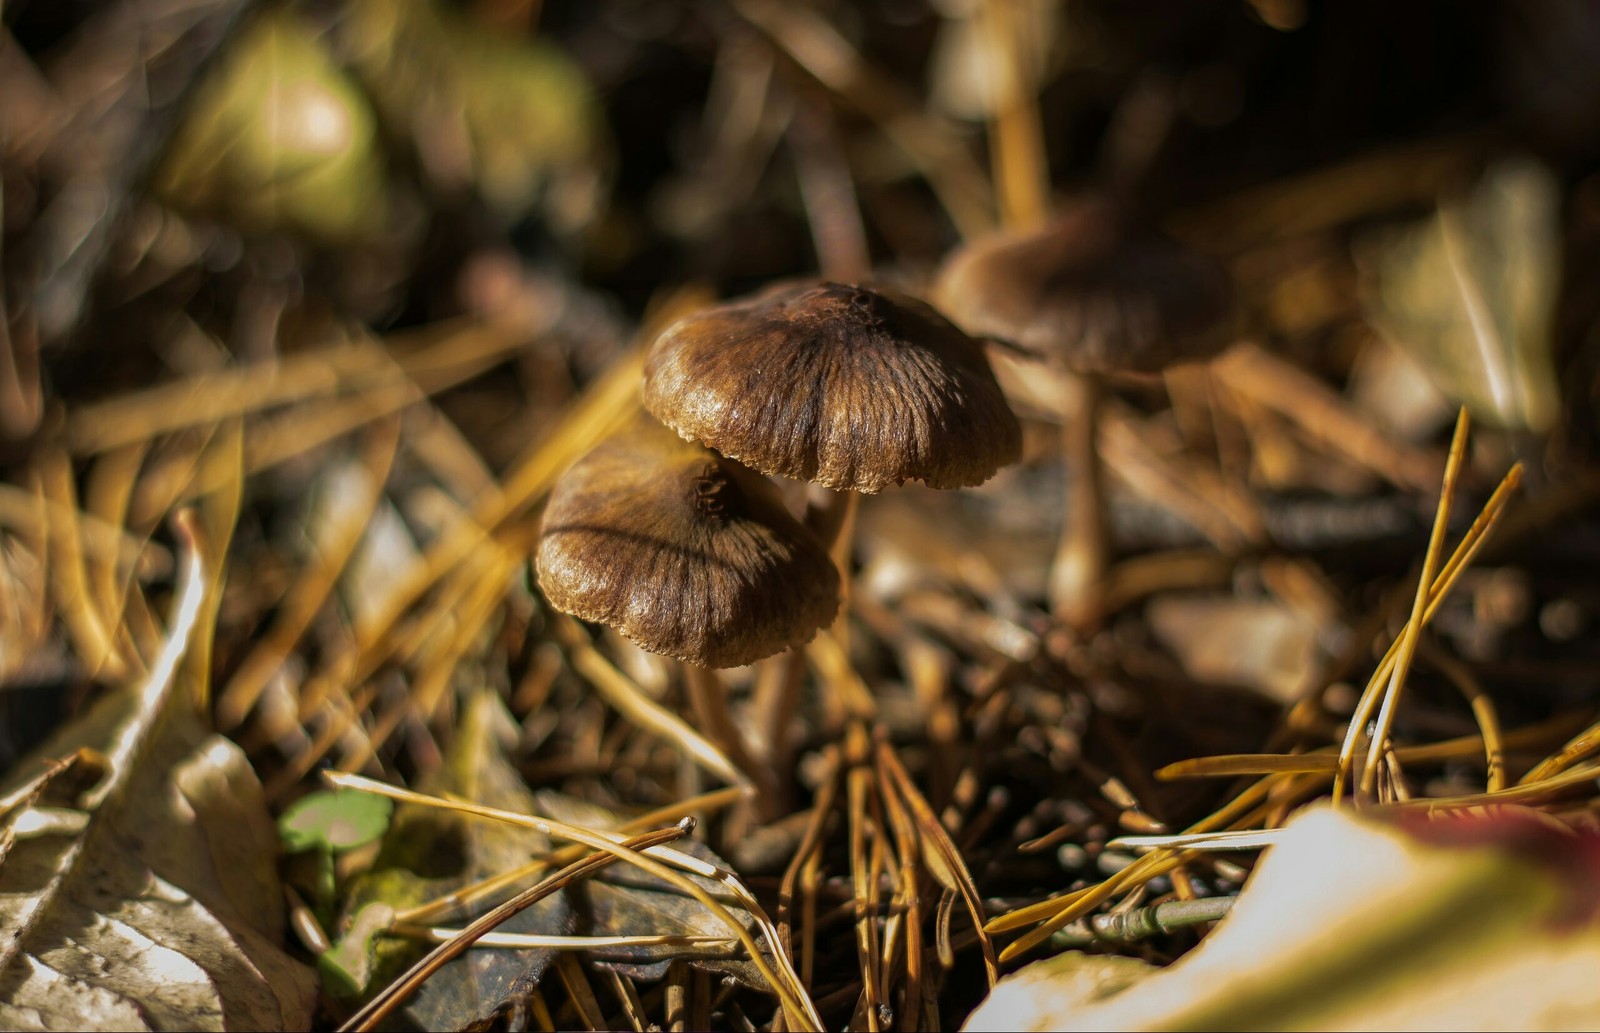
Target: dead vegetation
(308, 308)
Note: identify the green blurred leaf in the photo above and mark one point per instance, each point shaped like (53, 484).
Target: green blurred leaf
(347, 967)
(513, 118)
(279, 140)
(335, 819)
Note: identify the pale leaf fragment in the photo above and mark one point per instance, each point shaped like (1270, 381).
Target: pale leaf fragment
(1481, 920)
(1256, 643)
(1470, 293)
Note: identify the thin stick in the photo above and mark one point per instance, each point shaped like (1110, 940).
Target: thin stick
(453, 901)
(1016, 140)
(1078, 572)
(708, 698)
(827, 190)
(1483, 710)
(631, 702)
(940, 854)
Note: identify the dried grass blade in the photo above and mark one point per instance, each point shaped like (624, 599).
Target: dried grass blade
(395, 993)
(1523, 793)
(69, 573)
(804, 870)
(1466, 550)
(940, 854)
(107, 494)
(1379, 743)
(631, 702)
(1243, 839)
(310, 591)
(1229, 764)
(864, 886)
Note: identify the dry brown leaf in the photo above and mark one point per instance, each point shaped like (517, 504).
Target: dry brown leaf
(149, 900)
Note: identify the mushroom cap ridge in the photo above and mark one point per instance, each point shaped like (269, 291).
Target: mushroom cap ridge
(683, 552)
(852, 387)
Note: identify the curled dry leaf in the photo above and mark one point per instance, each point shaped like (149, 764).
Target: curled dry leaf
(684, 552)
(846, 386)
(1480, 920)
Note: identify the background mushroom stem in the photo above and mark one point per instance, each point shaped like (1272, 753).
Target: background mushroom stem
(708, 699)
(1077, 575)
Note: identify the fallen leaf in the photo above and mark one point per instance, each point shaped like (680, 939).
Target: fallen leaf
(1391, 921)
(1256, 643)
(1470, 293)
(149, 900)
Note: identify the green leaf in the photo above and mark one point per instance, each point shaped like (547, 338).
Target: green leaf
(338, 820)
(347, 967)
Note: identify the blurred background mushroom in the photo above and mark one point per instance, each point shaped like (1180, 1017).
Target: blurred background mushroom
(1097, 295)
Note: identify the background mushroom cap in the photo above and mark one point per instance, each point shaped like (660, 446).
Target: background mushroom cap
(1092, 291)
(683, 552)
(850, 387)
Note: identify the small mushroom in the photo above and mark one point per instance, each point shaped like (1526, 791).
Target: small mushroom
(851, 387)
(1094, 294)
(684, 552)
(689, 555)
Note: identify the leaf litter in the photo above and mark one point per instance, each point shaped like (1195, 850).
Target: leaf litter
(965, 781)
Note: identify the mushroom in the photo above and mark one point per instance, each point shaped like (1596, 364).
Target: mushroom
(1096, 295)
(687, 554)
(850, 387)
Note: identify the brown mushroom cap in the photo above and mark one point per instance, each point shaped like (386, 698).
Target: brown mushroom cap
(847, 386)
(683, 552)
(1093, 292)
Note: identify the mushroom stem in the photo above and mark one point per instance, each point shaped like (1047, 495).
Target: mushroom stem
(832, 516)
(708, 698)
(1077, 576)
